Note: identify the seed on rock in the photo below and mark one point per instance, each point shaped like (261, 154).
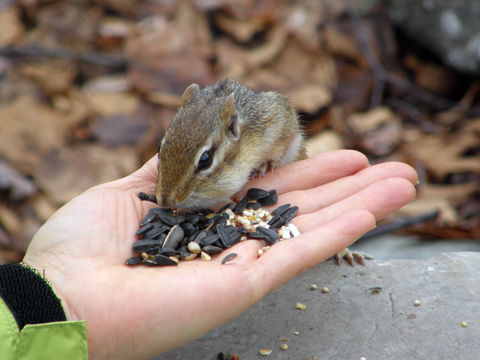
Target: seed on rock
(230, 258)
(163, 260)
(313, 287)
(144, 245)
(284, 346)
(464, 324)
(174, 237)
(224, 236)
(134, 260)
(265, 352)
(272, 236)
(257, 194)
(212, 250)
(301, 306)
(296, 333)
(204, 256)
(144, 228)
(325, 289)
(280, 210)
(194, 248)
(271, 199)
(416, 302)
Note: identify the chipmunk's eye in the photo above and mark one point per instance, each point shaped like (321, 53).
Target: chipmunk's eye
(205, 160)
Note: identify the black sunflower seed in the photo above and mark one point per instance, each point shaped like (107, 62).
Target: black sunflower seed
(256, 235)
(230, 229)
(221, 221)
(229, 258)
(134, 260)
(168, 252)
(200, 236)
(273, 219)
(174, 237)
(290, 213)
(144, 228)
(271, 199)
(253, 205)
(169, 220)
(242, 230)
(242, 204)
(151, 215)
(144, 197)
(236, 237)
(144, 245)
(272, 236)
(209, 239)
(156, 231)
(224, 236)
(280, 210)
(188, 228)
(212, 250)
(163, 260)
(257, 194)
(165, 211)
(278, 223)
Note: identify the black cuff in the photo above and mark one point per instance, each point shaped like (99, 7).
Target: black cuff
(28, 296)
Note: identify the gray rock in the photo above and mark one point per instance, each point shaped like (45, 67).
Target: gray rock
(449, 28)
(350, 322)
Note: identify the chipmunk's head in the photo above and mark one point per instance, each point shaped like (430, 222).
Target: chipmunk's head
(199, 164)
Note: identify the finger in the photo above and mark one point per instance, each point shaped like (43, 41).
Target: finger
(320, 197)
(292, 257)
(144, 179)
(379, 199)
(315, 171)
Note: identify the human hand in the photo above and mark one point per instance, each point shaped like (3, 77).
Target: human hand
(139, 312)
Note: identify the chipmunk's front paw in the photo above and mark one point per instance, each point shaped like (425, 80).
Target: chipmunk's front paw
(262, 170)
(349, 256)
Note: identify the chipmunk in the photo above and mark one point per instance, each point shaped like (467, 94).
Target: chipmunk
(221, 136)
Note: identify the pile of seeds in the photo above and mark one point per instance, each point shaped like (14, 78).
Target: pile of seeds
(169, 236)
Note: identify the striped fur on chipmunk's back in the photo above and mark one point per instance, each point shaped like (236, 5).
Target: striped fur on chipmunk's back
(220, 136)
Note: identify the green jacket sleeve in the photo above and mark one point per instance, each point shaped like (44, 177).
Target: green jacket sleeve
(56, 340)
(33, 324)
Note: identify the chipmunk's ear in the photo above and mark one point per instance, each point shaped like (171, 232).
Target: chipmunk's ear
(230, 119)
(190, 94)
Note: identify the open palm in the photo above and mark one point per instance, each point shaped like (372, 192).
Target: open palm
(138, 312)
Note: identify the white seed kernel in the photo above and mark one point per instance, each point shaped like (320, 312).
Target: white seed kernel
(205, 256)
(265, 352)
(194, 248)
(301, 306)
